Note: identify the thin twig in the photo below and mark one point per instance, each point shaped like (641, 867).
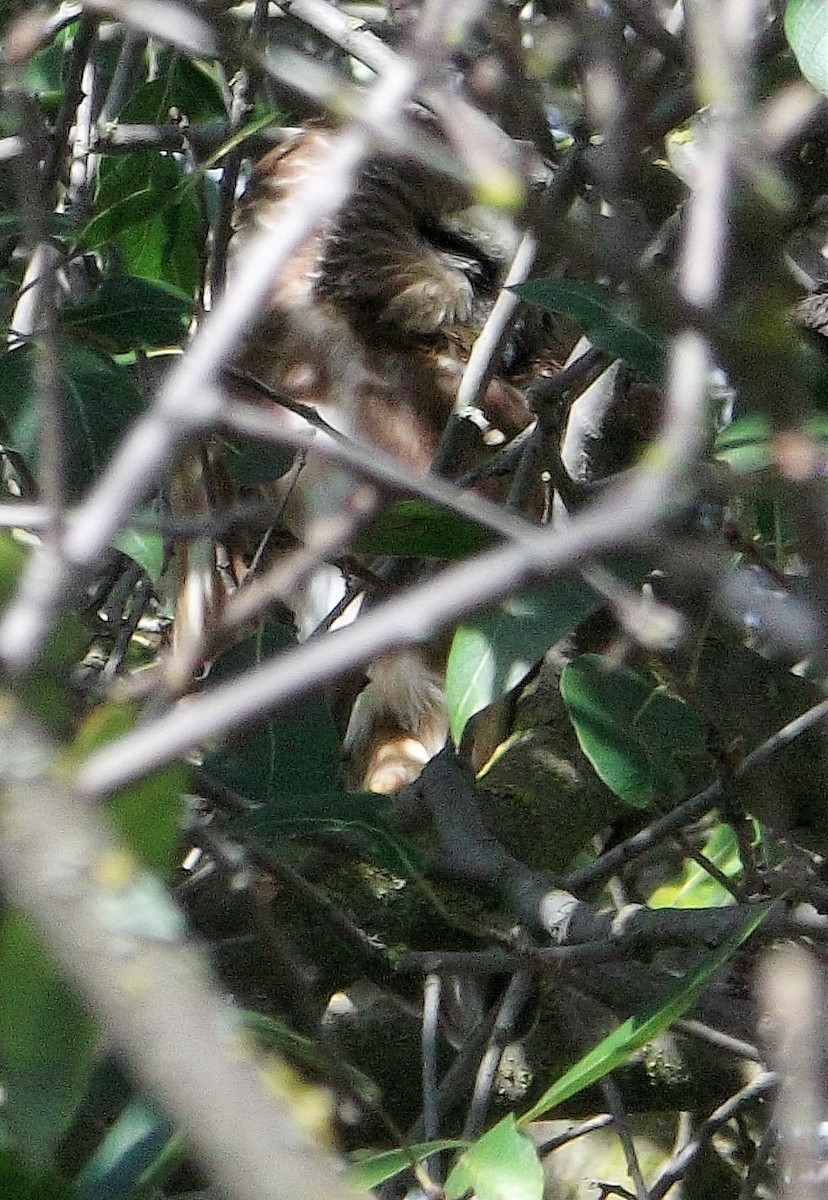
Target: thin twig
(680, 1163)
(693, 808)
(508, 1013)
(432, 987)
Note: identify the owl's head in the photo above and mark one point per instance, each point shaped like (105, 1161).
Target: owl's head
(410, 256)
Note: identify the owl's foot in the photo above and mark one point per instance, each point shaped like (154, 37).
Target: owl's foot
(398, 723)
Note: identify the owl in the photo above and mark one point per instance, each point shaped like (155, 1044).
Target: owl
(372, 323)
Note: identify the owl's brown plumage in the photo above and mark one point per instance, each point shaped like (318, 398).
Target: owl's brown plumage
(372, 322)
(376, 315)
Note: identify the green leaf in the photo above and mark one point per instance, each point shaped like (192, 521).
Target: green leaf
(100, 402)
(132, 190)
(183, 84)
(141, 1139)
(12, 561)
(745, 445)
(45, 688)
(605, 320)
(147, 814)
(47, 1044)
(167, 247)
(369, 1170)
(272, 1034)
(148, 208)
(806, 28)
(493, 651)
(128, 313)
(418, 529)
(501, 1165)
(697, 888)
(635, 735)
(619, 1046)
(144, 546)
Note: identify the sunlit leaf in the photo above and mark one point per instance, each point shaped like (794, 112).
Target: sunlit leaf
(501, 1165)
(745, 445)
(806, 28)
(146, 547)
(493, 651)
(697, 888)
(139, 1140)
(619, 1046)
(47, 1044)
(12, 560)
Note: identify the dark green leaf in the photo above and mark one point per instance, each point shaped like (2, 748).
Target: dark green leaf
(18, 1182)
(604, 319)
(182, 84)
(100, 403)
(501, 1165)
(619, 1046)
(492, 652)
(129, 313)
(418, 529)
(747, 697)
(635, 735)
(806, 28)
(289, 764)
(47, 1044)
(333, 810)
(253, 463)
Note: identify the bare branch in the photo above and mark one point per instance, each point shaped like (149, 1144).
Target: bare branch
(119, 937)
